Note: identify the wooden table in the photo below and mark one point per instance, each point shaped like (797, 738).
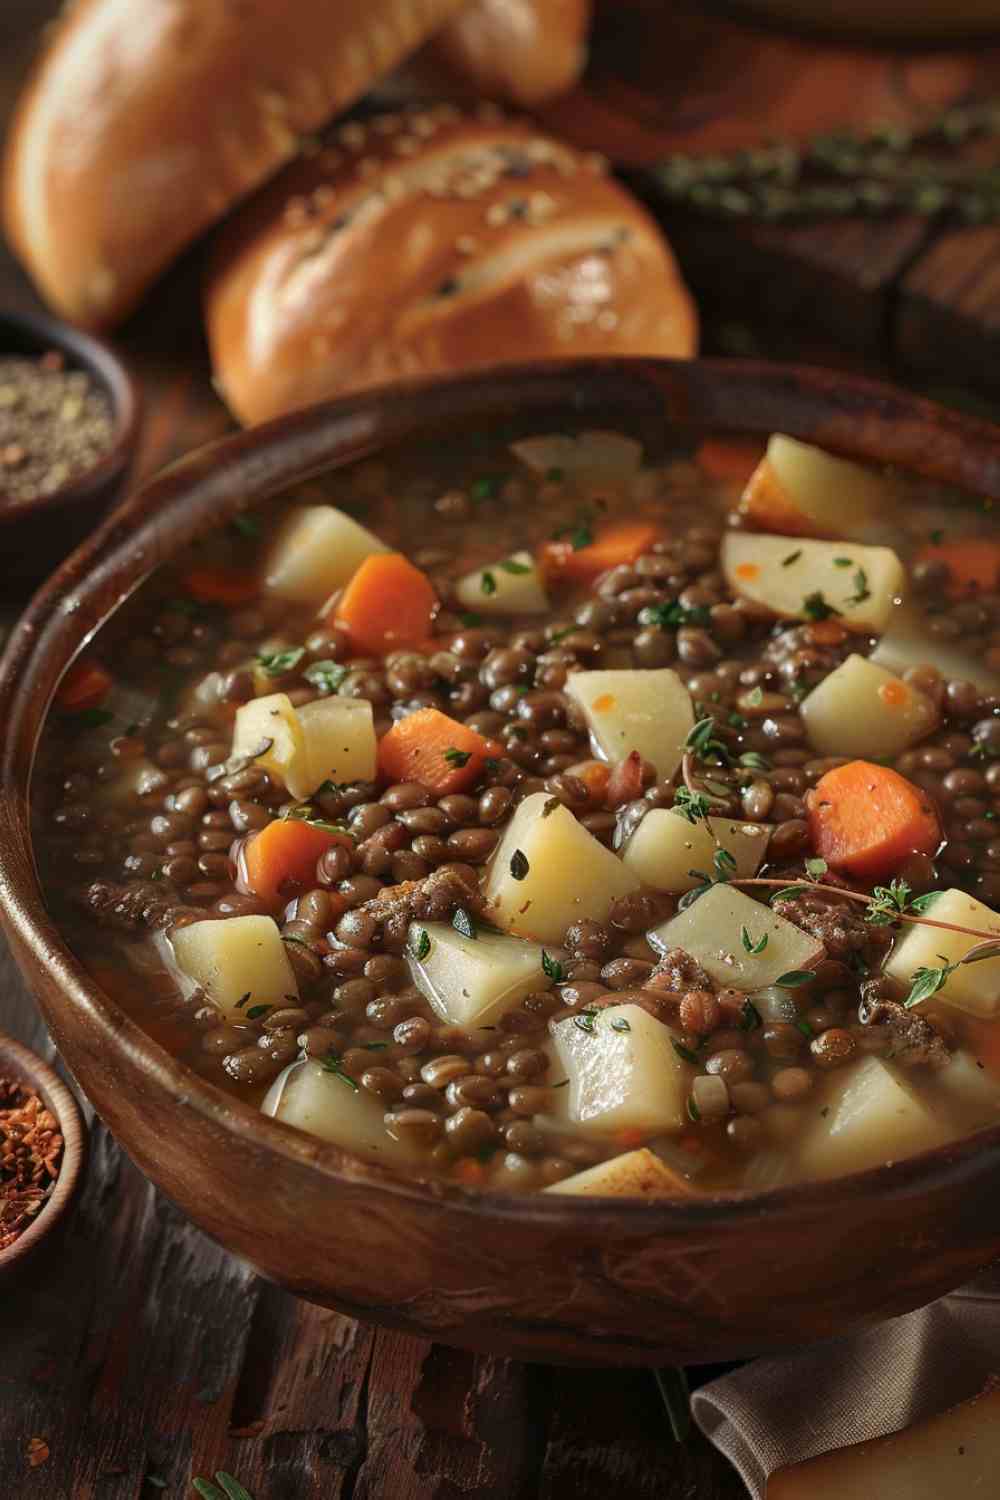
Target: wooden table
(144, 1355)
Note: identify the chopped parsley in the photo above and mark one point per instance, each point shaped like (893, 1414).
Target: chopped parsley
(511, 565)
(754, 762)
(487, 488)
(90, 718)
(326, 675)
(861, 589)
(755, 697)
(457, 758)
(277, 663)
(751, 945)
(816, 867)
(843, 562)
(586, 1021)
(937, 536)
(684, 1052)
(815, 607)
(793, 557)
(256, 1011)
(423, 945)
(673, 615)
(331, 1063)
(750, 1016)
(925, 982)
(463, 923)
(487, 582)
(693, 806)
(794, 978)
(552, 968)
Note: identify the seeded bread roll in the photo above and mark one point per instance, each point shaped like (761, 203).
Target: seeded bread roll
(143, 123)
(520, 51)
(434, 242)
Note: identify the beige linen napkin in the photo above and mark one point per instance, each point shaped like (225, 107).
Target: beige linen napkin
(776, 1411)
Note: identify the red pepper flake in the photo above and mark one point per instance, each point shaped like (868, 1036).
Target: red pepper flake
(38, 1451)
(31, 1147)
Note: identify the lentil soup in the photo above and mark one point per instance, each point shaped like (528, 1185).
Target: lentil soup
(631, 829)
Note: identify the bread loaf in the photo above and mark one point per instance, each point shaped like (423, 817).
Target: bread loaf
(143, 123)
(519, 51)
(434, 242)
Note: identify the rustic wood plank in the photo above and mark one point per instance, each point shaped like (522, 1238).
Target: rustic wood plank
(947, 323)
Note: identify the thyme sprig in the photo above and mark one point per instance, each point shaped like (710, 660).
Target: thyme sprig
(877, 172)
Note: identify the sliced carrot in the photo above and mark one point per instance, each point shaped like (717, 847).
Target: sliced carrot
(280, 860)
(440, 753)
(730, 458)
(388, 603)
(865, 819)
(611, 546)
(973, 565)
(86, 685)
(229, 586)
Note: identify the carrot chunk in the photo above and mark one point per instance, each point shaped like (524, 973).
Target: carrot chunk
(229, 586)
(611, 546)
(973, 565)
(388, 603)
(730, 458)
(280, 860)
(865, 819)
(440, 753)
(86, 685)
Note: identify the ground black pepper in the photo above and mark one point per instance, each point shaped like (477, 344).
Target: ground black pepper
(55, 424)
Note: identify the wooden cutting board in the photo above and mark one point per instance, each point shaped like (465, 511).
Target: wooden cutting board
(922, 296)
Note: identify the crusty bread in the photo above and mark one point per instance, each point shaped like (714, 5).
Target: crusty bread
(522, 52)
(434, 242)
(143, 123)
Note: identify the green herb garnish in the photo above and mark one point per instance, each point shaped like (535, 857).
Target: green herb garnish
(815, 607)
(423, 944)
(463, 923)
(672, 616)
(754, 762)
(703, 743)
(816, 867)
(684, 1052)
(90, 718)
(751, 945)
(511, 565)
(861, 589)
(487, 582)
(755, 697)
(694, 806)
(225, 1488)
(552, 968)
(256, 1011)
(277, 663)
(750, 1016)
(247, 526)
(794, 978)
(326, 675)
(793, 557)
(586, 1021)
(331, 1063)
(457, 758)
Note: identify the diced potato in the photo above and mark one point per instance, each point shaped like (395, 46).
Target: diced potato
(317, 550)
(955, 1453)
(710, 930)
(268, 729)
(802, 490)
(624, 1072)
(908, 643)
(471, 981)
(512, 586)
(974, 987)
(866, 1115)
(665, 848)
(965, 1086)
(338, 744)
(862, 710)
(316, 1100)
(568, 874)
(648, 711)
(592, 457)
(636, 1174)
(235, 958)
(799, 579)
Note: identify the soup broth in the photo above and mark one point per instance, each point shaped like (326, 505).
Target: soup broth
(538, 817)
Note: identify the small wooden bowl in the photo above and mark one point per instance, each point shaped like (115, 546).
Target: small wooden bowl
(540, 1276)
(36, 533)
(21, 1066)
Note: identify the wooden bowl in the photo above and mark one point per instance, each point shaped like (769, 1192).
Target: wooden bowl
(35, 534)
(22, 1066)
(538, 1277)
